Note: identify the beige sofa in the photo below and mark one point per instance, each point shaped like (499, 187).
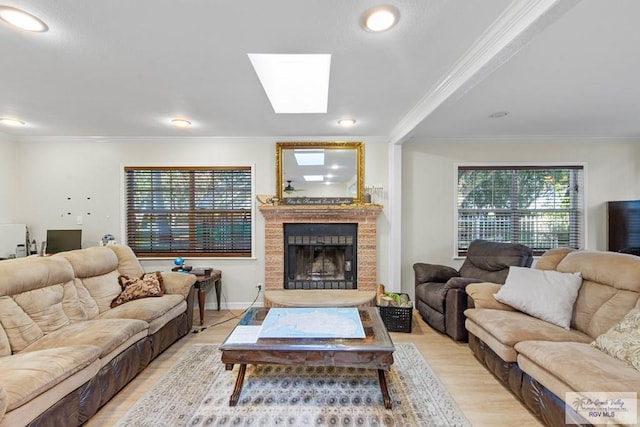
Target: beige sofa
(64, 352)
(540, 361)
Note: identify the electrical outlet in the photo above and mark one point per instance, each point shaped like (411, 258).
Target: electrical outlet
(259, 286)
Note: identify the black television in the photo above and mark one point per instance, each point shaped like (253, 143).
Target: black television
(63, 240)
(624, 226)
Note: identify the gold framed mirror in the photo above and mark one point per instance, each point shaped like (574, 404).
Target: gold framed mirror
(319, 172)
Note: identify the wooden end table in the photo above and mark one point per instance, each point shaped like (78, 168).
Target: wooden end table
(375, 351)
(202, 282)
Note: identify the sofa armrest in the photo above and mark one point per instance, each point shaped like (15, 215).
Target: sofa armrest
(460, 282)
(433, 273)
(178, 283)
(482, 295)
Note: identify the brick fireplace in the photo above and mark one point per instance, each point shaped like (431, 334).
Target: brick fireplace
(365, 216)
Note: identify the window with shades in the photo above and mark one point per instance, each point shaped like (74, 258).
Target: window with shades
(538, 206)
(189, 211)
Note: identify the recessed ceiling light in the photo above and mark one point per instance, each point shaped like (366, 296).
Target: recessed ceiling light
(23, 20)
(498, 114)
(381, 18)
(181, 123)
(294, 83)
(11, 122)
(346, 122)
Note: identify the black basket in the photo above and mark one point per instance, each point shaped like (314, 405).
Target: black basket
(397, 319)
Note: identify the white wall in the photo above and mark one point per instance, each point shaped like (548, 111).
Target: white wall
(8, 176)
(84, 178)
(612, 173)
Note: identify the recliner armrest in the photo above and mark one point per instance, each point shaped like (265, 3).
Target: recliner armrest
(433, 273)
(460, 282)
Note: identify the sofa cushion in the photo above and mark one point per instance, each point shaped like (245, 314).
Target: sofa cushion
(44, 306)
(148, 285)
(610, 288)
(599, 307)
(25, 274)
(620, 271)
(545, 294)
(146, 309)
(507, 328)
(96, 267)
(5, 347)
(551, 258)
(21, 330)
(26, 375)
(155, 311)
(71, 303)
(3, 401)
(89, 305)
(90, 262)
(482, 295)
(575, 367)
(127, 261)
(108, 334)
(103, 289)
(622, 341)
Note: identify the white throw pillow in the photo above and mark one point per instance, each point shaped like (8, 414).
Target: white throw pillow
(546, 294)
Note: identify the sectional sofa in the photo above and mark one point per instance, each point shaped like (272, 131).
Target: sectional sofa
(64, 351)
(541, 361)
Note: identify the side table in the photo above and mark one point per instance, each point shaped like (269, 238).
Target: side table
(214, 277)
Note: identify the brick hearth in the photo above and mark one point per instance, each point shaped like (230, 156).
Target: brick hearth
(364, 215)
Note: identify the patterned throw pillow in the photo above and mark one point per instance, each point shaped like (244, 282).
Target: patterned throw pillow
(149, 285)
(622, 341)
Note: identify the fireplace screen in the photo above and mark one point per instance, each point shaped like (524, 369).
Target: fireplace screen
(320, 256)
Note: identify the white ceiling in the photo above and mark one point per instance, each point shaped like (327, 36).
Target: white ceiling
(116, 68)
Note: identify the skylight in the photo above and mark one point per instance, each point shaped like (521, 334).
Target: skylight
(309, 157)
(294, 83)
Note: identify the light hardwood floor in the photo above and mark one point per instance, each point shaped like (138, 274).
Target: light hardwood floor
(482, 398)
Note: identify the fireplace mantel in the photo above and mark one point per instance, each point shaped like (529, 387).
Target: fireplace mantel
(277, 215)
(311, 211)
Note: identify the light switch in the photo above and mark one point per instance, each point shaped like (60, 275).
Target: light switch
(79, 220)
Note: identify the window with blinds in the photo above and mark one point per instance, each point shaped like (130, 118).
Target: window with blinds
(540, 207)
(189, 211)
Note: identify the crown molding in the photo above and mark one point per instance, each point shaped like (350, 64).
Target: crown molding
(519, 139)
(519, 23)
(7, 137)
(197, 139)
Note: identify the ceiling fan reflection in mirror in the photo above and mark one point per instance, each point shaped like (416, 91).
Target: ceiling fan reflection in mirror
(290, 188)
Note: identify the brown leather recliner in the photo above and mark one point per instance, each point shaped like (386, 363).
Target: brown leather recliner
(440, 295)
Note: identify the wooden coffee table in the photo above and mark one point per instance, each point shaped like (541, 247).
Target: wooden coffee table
(375, 351)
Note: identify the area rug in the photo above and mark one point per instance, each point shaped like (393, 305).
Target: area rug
(195, 392)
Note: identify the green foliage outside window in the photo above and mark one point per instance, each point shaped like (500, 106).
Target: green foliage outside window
(540, 207)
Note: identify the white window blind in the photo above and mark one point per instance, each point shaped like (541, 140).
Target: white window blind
(540, 207)
(189, 211)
